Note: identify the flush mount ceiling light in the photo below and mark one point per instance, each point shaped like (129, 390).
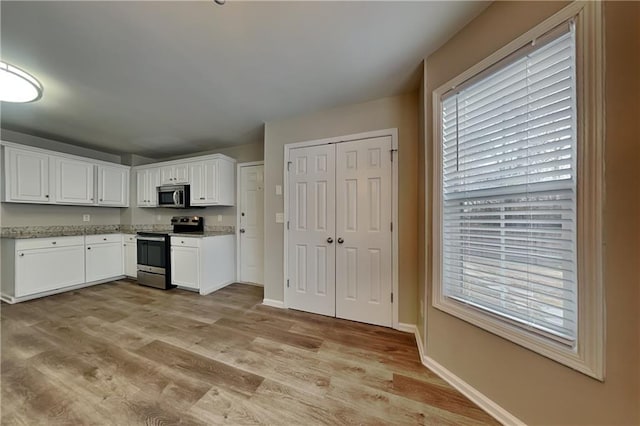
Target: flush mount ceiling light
(17, 85)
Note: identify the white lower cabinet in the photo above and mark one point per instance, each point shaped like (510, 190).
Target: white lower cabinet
(104, 257)
(37, 267)
(185, 267)
(203, 264)
(130, 256)
(52, 264)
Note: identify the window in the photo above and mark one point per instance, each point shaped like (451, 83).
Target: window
(509, 157)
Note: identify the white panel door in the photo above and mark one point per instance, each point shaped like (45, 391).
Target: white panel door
(363, 231)
(311, 249)
(251, 210)
(27, 176)
(74, 181)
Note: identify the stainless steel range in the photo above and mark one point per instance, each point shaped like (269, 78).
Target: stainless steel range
(154, 251)
(154, 260)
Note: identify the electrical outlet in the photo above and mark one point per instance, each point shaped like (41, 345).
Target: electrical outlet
(219, 218)
(279, 217)
(86, 217)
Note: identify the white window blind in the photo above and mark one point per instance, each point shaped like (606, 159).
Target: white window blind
(509, 189)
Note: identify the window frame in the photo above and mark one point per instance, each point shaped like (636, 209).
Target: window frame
(587, 356)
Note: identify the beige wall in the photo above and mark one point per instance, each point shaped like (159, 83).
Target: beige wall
(532, 387)
(400, 112)
(137, 215)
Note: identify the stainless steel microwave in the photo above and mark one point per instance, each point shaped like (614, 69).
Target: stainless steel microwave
(175, 196)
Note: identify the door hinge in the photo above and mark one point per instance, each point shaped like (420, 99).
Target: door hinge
(391, 297)
(391, 226)
(289, 163)
(287, 283)
(287, 224)
(392, 151)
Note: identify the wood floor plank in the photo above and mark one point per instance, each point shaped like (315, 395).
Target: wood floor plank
(201, 367)
(124, 354)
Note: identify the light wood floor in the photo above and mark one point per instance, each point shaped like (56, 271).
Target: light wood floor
(123, 354)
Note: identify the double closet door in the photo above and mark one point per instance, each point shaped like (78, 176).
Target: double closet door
(339, 237)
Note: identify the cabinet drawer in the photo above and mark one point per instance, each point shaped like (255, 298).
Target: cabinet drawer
(185, 242)
(129, 238)
(104, 238)
(39, 243)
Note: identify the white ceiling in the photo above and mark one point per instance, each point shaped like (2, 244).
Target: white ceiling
(167, 78)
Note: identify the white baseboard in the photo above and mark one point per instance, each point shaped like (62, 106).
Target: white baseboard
(273, 303)
(209, 290)
(407, 328)
(480, 399)
(250, 283)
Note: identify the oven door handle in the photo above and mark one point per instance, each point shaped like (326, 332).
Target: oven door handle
(150, 238)
(175, 197)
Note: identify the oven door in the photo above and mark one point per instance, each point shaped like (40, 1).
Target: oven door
(152, 254)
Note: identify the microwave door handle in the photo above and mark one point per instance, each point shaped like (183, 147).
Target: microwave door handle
(175, 198)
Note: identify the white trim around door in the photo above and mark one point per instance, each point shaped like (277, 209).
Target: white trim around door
(238, 219)
(393, 133)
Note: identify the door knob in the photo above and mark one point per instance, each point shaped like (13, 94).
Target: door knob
(242, 230)
(329, 240)
(340, 241)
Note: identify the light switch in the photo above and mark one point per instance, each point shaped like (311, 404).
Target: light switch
(279, 217)
(86, 218)
(278, 189)
(219, 218)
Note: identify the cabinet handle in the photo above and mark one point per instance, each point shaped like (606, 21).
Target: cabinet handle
(21, 254)
(202, 198)
(125, 244)
(181, 242)
(88, 248)
(53, 242)
(92, 199)
(104, 239)
(100, 199)
(46, 196)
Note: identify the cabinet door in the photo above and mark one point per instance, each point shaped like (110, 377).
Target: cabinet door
(142, 179)
(203, 177)
(181, 173)
(153, 183)
(104, 261)
(27, 176)
(166, 175)
(185, 267)
(130, 259)
(113, 186)
(74, 181)
(47, 269)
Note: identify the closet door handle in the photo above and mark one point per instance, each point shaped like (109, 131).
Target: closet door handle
(329, 240)
(340, 241)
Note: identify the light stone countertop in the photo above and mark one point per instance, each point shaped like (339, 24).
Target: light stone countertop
(21, 232)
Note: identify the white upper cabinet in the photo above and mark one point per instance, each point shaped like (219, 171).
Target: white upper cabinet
(175, 173)
(147, 182)
(34, 175)
(74, 180)
(26, 176)
(211, 179)
(212, 182)
(113, 186)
